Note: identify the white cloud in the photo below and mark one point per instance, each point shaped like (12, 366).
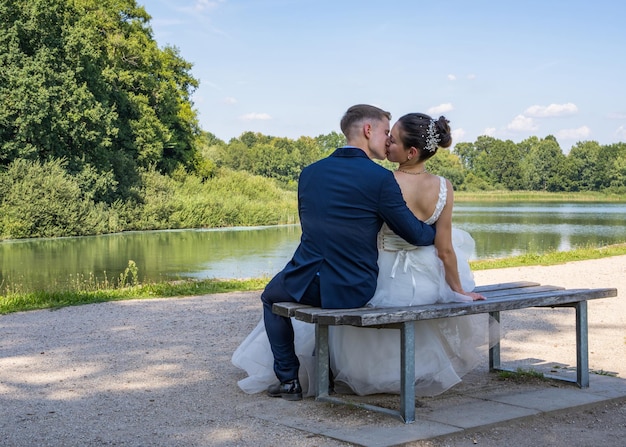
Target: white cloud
(616, 116)
(229, 100)
(471, 76)
(574, 134)
(441, 108)
(458, 134)
(205, 5)
(451, 77)
(522, 123)
(255, 117)
(621, 133)
(552, 110)
(489, 131)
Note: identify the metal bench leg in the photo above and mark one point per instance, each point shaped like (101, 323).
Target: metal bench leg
(407, 404)
(407, 379)
(494, 344)
(321, 361)
(582, 346)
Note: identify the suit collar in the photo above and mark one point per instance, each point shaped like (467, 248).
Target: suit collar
(349, 151)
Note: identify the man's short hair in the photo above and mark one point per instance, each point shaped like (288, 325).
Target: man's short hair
(355, 115)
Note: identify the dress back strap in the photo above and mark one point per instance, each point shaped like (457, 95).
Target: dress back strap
(441, 202)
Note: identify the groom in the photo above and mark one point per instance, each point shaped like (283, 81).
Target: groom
(343, 201)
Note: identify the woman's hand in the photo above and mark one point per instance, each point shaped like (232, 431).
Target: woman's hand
(475, 296)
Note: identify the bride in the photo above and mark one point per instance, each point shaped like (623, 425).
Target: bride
(366, 360)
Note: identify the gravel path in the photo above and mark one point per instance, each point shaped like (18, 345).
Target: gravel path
(537, 334)
(157, 372)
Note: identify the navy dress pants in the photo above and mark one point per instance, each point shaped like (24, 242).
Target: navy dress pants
(280, 330)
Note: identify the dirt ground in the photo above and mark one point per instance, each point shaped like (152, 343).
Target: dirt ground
(597, 425)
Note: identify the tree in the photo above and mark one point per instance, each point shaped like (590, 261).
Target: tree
(84, 81)
(47, 109)
(467, 153)
(234, 155)
(582, 164)
(618, 170)
(329, 142)
(279, 158)
(609, 158)
(310, 151)
(544, 166)
(498, 162)
(252, 138)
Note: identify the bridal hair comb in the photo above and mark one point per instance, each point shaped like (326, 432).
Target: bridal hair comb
(432, 139)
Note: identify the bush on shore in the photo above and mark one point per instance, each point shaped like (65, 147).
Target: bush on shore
(44, 200)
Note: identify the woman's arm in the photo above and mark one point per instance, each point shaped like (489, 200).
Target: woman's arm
(445, 250)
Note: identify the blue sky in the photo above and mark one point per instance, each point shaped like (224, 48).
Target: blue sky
(506, 69)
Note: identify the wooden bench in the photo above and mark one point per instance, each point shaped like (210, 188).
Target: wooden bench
(500, 297)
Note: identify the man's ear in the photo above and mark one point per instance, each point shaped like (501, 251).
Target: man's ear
(367, 130)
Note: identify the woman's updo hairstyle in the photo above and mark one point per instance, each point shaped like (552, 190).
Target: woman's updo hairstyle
(424, 133)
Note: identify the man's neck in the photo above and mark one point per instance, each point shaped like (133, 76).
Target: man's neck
(361, 144)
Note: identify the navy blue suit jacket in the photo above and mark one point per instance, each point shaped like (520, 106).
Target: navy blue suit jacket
(343, 201)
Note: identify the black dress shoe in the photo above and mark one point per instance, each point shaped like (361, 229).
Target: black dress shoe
(290, 390)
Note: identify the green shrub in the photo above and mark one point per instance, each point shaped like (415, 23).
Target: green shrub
(231, 198)
(43, 200)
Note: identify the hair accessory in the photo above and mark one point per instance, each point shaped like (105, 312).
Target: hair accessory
(432, 140)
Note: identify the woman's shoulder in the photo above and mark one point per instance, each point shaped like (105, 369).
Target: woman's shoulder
(444, 188)
(442, 198)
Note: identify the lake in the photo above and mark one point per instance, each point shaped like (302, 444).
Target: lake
(500, 230)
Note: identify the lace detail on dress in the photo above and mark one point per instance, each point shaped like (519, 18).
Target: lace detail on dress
(441, 202)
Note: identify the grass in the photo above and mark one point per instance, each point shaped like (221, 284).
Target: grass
(19, 302)
(128, 287)
(520, 375)
(550, 258)
(537, 196)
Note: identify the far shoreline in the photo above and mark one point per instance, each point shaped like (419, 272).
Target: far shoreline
(538, 196)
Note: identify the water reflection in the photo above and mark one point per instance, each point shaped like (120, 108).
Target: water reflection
(516, 228)
(499, 230)
(159, 255)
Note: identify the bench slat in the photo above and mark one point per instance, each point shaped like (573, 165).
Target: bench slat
(287, 309)
(519, 292)
(377, 316)
(505, 286)
(511, 299)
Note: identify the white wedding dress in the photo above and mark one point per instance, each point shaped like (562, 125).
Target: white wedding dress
(367, 361)
(254, 356)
